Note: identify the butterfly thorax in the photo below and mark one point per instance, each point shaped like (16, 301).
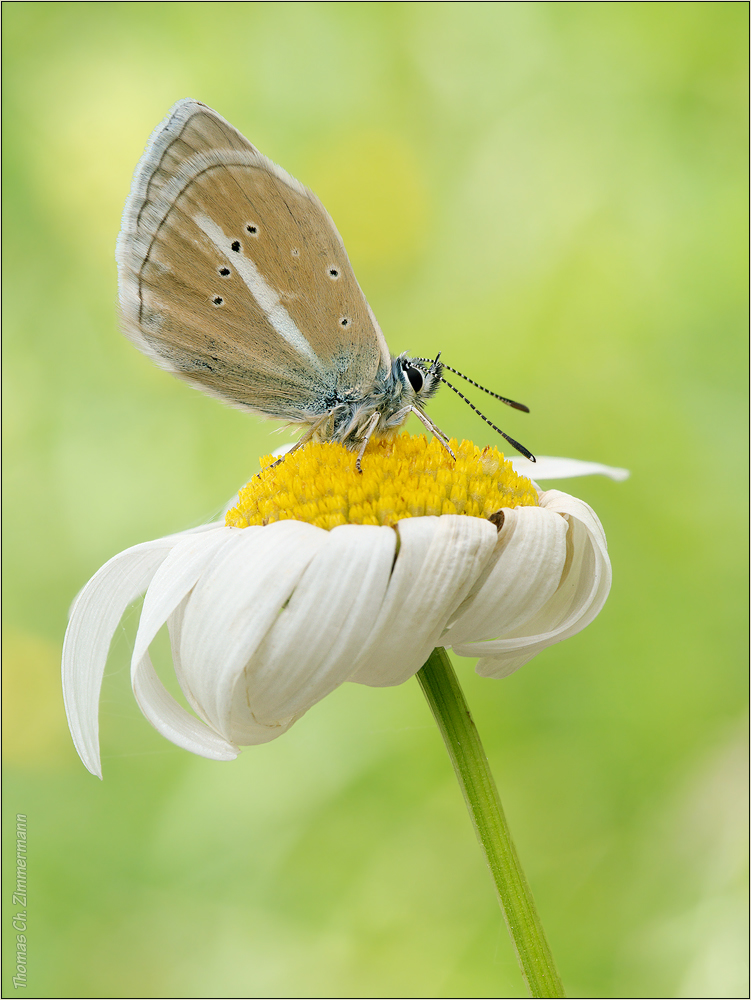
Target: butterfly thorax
(394, 392)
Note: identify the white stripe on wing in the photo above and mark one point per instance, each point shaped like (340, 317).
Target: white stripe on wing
(267, 298)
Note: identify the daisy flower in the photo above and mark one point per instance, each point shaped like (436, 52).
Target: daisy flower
(320, 575)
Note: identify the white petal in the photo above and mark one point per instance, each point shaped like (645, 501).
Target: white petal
(314, 642)
(171, 719)
(234, 604)
(94, 617)
(521, 578)
(578, 599)
(563, 468)
(438, 561)
(174, 579)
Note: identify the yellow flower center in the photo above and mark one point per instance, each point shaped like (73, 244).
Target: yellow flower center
(406, 476)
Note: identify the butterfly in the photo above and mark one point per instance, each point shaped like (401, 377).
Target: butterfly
(233, 277)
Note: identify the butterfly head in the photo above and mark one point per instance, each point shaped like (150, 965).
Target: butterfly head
(420, 378)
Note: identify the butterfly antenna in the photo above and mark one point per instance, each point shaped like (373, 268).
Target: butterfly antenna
(508, 402)
(514, 444)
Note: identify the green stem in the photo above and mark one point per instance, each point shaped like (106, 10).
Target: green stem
(441, 687)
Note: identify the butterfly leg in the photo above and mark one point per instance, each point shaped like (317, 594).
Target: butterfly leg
(369, 428)
(399, 416)
(298, 444)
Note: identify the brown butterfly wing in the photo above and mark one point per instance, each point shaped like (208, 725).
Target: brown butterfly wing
(233, 276)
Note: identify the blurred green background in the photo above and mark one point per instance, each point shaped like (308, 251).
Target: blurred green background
(553, 194)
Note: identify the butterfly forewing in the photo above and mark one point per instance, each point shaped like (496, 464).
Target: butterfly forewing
(233, 276)
(189, 128)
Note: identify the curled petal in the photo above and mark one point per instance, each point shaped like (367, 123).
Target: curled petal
(584, 586)
(438, 561)
(311, 648)
(522, 576)
(237, 600)
(94, 616)
(171, 720)
(174, 579)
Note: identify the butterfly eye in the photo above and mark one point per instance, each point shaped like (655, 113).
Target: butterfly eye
(333, 273)
(415, 378)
